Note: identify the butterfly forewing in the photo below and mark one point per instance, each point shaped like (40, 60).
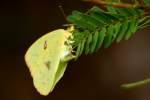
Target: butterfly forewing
(43, 59)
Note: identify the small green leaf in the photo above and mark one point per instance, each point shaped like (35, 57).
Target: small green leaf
(122, 31)
(80, 20)
(125, 11)
(144, 22)
(82, 46)
(94, 42)
(101, 37)
(80, 23)
(131, 28)
(78, 36)
(109, 36)
(101, 15)
(98, 17)
(88, 19)
(116, 30)
(88, 42)
(78, 51)
(111, 9)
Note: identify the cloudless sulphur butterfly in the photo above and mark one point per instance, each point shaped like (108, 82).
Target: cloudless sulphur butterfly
(47, 59)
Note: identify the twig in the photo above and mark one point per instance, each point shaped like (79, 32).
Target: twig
(125, 5)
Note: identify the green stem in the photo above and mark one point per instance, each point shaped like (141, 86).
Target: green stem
(135, 84)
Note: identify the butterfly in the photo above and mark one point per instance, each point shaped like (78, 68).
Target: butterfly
(47, 59)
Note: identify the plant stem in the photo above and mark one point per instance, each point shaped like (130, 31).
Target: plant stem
(124, 5)
(135, 84)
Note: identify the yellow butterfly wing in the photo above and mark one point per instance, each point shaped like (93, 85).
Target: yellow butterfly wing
(43, 58)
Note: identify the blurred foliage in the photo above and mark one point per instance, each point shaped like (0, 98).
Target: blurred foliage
(147, 2)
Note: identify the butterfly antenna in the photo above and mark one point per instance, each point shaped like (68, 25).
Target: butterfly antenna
(65, 17)
(62, 11)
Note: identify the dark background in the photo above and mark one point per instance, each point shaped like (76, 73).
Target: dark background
(94, 77)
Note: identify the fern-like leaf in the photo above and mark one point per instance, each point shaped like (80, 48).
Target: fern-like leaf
(96, 27)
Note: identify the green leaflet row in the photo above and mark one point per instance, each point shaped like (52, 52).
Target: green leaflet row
(96, 27)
